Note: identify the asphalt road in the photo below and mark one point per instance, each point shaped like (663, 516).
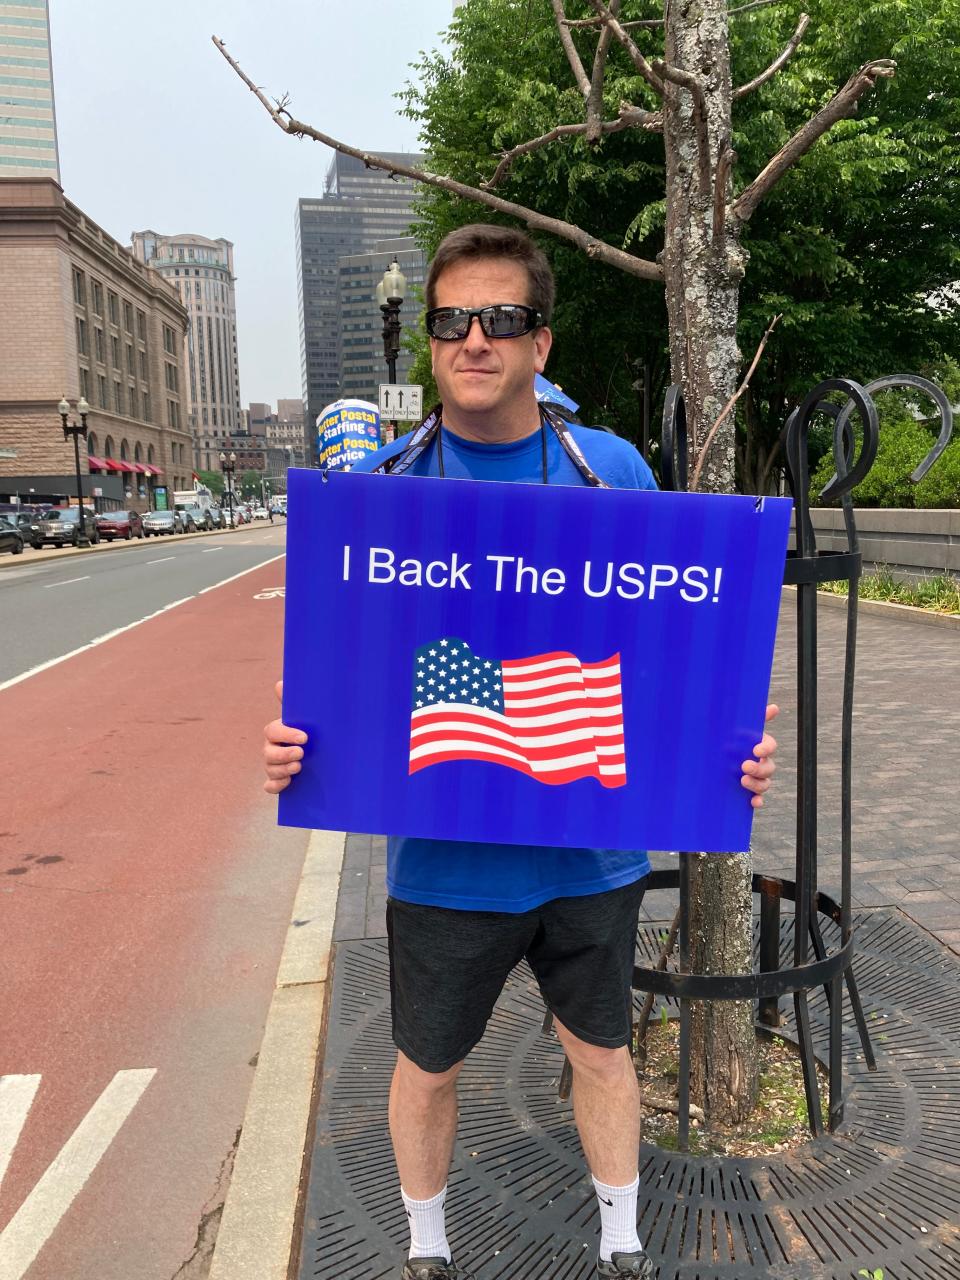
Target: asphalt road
(145, 895)
(52, 607)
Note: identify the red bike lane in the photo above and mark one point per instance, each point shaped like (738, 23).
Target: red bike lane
(145, 893)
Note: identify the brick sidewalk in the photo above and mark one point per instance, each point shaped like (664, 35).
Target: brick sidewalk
(906, 795)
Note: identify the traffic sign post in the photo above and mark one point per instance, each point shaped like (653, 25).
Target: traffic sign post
(401, 402)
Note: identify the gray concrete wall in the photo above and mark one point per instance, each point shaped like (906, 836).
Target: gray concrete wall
(914, 544)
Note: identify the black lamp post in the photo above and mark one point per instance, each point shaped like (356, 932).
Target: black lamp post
(390, 299)
(228, 467)
(76, 430)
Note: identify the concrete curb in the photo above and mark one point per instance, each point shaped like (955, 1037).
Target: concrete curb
(885, 609)
(258, 1228)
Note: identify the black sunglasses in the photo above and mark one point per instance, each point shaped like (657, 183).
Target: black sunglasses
(502, 320)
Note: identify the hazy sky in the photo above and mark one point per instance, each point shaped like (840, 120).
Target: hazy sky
(157, 131)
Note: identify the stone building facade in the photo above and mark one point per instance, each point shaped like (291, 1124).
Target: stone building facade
(82, 317)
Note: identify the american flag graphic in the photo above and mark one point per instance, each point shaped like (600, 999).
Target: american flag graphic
(551, 716)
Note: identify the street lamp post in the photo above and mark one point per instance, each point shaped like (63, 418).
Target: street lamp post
(76, 430)
(228, 467)
(390, 299)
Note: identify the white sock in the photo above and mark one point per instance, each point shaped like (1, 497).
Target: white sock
(618, 1218)
(428, 1233)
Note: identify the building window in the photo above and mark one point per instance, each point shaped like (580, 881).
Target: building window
(130, 364)
(118, 397)
(102, 392)
(84, 382)
(115, 350)
(124, 451)
(133, 400)
(143, 366)
(128, 317)
(99, 346)
(79, 288)
(170, 376)
(149, 454)
(146, 410)
(97, 298)
(81, 336)
(173, 415)
(113, 305)
(169, 340)
(142, 326)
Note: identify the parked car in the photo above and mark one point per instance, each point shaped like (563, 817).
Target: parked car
(25, 521)
(11, 539)
(261, 513)
(217, 516)
(157, 523)
(60, 526)
(120, 524)
(185, 521)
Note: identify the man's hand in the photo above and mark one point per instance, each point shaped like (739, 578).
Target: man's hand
(282, 751)
(756, 773)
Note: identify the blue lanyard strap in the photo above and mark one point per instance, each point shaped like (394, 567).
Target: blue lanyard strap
(425, 434)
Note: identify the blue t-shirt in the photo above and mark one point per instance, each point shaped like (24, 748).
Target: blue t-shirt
(496, 877)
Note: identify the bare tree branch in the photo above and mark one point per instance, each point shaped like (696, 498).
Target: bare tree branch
(630, 117)
(840, 107)
(596, 249)
(658, 22)
(777, 63)
(636, 57)
(675, 75)
(595, 96)
(570, 49)
(711, 434)
(725, 162)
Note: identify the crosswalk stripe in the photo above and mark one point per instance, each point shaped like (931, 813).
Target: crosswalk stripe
(35, 1221)
(16, 1098)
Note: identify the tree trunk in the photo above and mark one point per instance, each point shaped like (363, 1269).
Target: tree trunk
(702, 279)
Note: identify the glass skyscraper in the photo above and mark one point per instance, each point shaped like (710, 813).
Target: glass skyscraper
(359, 208)
(28, 127)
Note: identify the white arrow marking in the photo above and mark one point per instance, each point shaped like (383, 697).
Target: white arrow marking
(35, 1221)
(16, 1098)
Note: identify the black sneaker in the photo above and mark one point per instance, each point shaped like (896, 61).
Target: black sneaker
(635, 1266)
(435, 1269)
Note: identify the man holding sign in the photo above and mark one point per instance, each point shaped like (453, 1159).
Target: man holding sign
(572, 913)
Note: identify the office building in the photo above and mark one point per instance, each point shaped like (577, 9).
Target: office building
(201, 271)
(28, 124)
(83, 317)
(362, 364)
(359, 208)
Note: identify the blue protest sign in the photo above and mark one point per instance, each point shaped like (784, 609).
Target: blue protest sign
(347, 431)
(528, 664)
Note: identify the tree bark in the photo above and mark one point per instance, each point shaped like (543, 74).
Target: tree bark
(702, 273)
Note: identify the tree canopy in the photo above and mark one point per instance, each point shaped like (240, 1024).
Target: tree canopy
(857, 246)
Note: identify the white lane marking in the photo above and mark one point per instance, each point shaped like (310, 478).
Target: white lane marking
(16, 1098)
(203, 591)
(53, 662)
(271, 593)
(66, 582)
(206, 549)
(35, 1221)
(160, 561)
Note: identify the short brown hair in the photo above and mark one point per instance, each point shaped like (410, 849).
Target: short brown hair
(489, 240)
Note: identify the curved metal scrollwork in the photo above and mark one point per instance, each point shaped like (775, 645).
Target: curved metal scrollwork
(673, 441)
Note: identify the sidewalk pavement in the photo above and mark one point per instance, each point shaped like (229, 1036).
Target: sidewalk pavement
(889, 1181)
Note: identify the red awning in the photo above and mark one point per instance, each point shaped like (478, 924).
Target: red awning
(96, 464)
(153, 471)
(114, 465)
(141, 469)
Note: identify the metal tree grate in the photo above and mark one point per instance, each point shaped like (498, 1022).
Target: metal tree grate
(884, 1191)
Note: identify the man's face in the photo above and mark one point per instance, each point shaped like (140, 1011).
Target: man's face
(481, 375)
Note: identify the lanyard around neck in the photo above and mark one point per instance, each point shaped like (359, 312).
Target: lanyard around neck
(431, 427)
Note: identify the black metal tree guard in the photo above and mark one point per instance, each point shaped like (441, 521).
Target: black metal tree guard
(813, 964)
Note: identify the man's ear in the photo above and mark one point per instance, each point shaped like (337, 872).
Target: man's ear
(542, 342)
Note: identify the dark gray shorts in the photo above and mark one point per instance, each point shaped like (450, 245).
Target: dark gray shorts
(448, 967)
